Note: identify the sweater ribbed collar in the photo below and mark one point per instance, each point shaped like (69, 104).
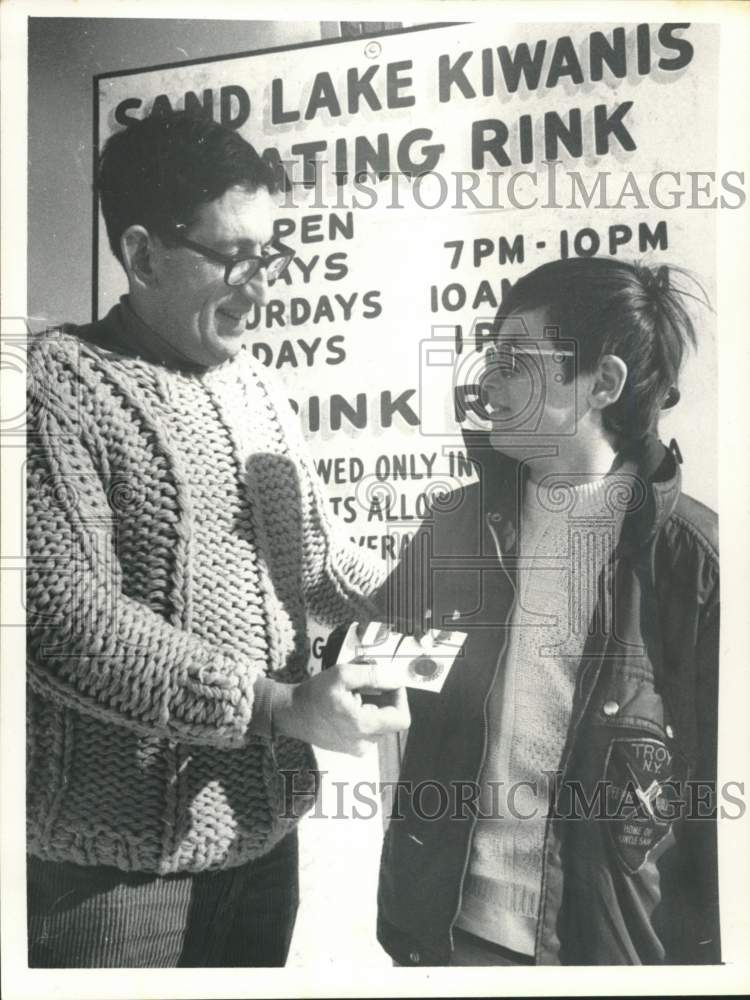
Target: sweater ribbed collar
(568, 495)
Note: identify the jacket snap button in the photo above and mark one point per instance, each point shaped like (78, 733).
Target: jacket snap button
(670, 732)
(610, 708)
(413, 956)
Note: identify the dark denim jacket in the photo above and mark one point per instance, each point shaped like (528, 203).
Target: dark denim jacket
(633, 888)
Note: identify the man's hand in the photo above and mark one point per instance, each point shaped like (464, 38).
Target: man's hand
(328, 710)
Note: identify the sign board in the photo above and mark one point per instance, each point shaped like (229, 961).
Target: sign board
(425, 169)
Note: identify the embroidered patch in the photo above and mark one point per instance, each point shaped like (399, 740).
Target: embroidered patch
(644, 781)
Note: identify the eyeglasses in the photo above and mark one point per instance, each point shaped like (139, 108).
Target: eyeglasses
(240, 268)
(511, 360)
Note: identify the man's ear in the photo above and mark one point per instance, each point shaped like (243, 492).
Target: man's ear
(137, 248)
(608, 382)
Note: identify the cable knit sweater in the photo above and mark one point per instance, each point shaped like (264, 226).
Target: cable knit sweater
(177, 536)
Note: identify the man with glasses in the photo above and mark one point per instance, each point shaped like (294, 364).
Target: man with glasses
(177, 539)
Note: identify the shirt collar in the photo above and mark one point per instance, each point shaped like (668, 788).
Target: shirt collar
(124, 332)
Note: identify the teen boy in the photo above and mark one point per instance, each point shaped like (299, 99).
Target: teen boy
(551, 809)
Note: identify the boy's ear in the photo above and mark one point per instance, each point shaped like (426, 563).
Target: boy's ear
(608, 382)
(137, 249)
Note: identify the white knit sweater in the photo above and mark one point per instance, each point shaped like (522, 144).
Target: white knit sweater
(177, 538)
(566, 534)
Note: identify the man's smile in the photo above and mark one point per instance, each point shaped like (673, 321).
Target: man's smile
(236, 317)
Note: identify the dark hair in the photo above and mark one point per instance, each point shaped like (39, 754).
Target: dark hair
(158, 171)
(631, 310)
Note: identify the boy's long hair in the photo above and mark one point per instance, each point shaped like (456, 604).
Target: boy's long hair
(632, 310)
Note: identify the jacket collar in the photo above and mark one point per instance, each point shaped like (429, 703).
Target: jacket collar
(659, 472)
(656, 490)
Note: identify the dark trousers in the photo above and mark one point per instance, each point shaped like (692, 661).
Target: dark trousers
(104, 918)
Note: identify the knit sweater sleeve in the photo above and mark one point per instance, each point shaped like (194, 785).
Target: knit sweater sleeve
(89, 645)
(339, 578)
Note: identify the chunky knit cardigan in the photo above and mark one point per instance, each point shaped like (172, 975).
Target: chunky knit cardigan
(177, 537)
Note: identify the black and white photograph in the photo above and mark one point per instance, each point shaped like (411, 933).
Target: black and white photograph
(373, 435)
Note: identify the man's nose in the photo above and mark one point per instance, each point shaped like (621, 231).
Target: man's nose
(257, 288)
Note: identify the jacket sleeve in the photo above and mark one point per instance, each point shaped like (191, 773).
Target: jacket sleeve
(402, 598)
(689, 920)
(89, 645)
(703, 847)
